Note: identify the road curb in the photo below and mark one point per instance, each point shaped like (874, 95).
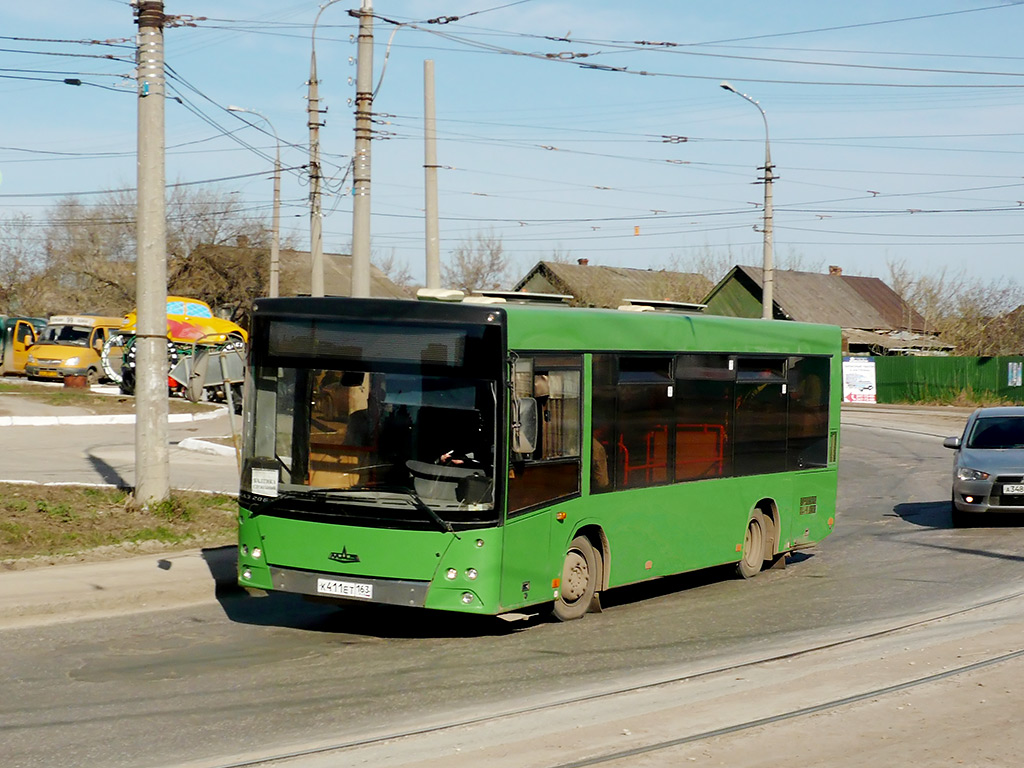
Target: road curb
(52, 594)
(116, 418)
(198, 445)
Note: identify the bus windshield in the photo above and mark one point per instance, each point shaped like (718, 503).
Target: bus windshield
(385, 427)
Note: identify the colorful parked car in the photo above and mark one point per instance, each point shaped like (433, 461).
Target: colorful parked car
(191, 321)
(191, 327)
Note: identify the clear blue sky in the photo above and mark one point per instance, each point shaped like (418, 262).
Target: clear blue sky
(897, 129)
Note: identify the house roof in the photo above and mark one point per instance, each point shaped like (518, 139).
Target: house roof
(600, 286)
(295, 273)
(338, 276)
(848, 301)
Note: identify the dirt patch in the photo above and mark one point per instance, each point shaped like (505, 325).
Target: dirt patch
(87, 401)
(40, 525)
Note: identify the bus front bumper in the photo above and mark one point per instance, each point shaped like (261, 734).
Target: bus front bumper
(357, 589)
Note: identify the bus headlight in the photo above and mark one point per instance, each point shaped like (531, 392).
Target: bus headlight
(257, 552)
(467, 597)
(247, 574)
(471, 574)
(451, 574)
(72, 361)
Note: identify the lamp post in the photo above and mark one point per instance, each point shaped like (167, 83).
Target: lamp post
(275, 243)
(316, 239)
(768, 280)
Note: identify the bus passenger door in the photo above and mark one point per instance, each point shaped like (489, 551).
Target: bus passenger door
(543, 478)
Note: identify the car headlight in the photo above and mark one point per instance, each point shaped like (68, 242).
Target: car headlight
(71, 361)
(964, 473)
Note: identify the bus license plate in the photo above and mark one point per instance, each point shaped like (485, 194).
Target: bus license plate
(1014, 490)
(344, 589)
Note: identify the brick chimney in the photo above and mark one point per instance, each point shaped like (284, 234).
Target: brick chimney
(583, 262)
(834, 270)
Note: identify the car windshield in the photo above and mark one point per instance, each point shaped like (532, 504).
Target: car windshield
(69, 335)
(997, 432)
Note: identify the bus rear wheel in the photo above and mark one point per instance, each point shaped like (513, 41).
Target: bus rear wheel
(752, 559)
(579, 580)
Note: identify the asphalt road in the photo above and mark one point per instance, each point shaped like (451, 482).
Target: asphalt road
(245, 676)
(105, 452)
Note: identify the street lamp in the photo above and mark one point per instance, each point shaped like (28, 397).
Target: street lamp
(275, 243)
(316, 238)
(769, 276)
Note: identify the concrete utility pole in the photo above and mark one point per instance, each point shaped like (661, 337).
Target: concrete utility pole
(316, 217)
(275, 243)
(152, 456)
(361, 158)
(433, 243)
(768, 288)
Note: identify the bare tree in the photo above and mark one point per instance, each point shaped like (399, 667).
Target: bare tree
(799, 262)
(712, 265)
(85, 258)
(976, 317)
(478, 263)
(396, 271)
(18, 262)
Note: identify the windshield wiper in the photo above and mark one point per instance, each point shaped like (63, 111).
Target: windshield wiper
(326, 494)
(414, 497)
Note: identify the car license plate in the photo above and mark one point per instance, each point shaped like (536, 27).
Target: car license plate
(344, 589)
(1014, 489)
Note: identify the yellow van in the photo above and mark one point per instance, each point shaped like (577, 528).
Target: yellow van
(71, 345)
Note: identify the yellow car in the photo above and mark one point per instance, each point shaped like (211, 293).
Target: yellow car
(70, 345)
(190, 321)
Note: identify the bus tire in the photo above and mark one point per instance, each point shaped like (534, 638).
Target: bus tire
(752, 558)
(580, 573)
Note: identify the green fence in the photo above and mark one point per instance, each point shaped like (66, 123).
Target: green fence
(949, 379)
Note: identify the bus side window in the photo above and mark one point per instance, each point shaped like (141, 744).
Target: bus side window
(552, 471)
(759, 429)
(808, 412)
(705, 387)
(645, 442)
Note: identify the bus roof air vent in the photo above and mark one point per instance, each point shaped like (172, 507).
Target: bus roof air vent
(439, 294)
(522, 297)
(655, 305)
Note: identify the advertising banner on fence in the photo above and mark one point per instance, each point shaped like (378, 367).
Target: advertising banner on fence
(859, 380)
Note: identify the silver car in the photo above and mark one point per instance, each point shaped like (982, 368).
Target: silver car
(988, 468)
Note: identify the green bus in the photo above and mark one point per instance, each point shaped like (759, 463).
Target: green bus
(490, 455)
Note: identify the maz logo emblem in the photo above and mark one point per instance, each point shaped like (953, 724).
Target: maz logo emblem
(344, 557)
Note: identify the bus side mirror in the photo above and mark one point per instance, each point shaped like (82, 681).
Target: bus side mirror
(524, 425)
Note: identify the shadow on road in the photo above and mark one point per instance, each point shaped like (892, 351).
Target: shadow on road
(278, 609)
(938, 514)
(293, 611)
(107, 473)
(927, 514)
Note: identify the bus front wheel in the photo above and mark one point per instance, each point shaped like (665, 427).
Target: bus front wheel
(752, 560)
(579, 580)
